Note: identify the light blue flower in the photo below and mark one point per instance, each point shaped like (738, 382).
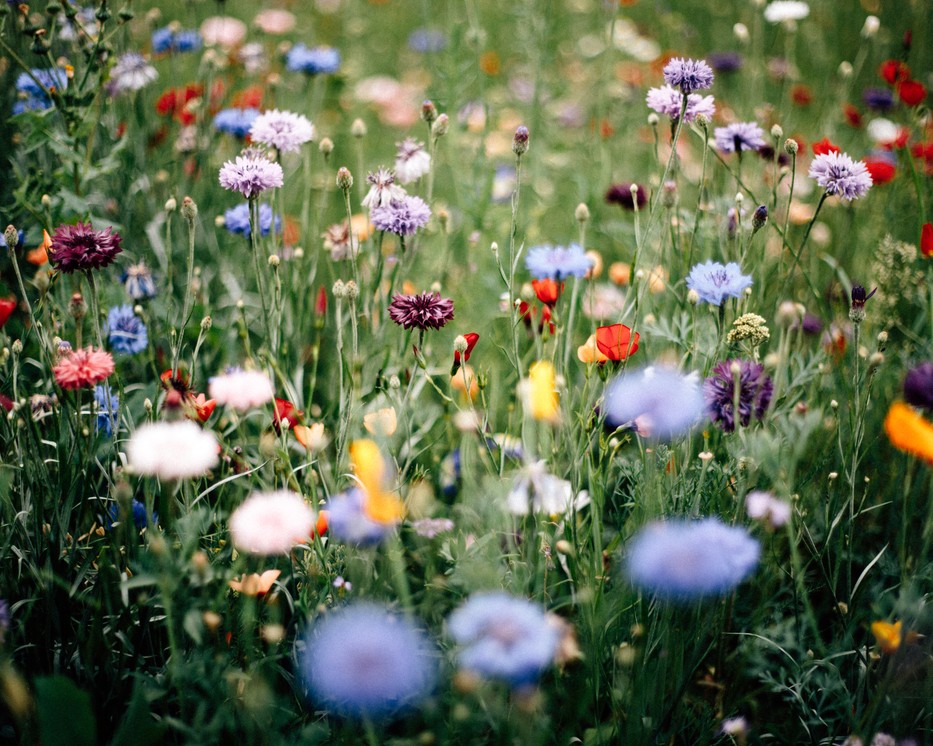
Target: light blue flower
(557, 263)
(126, 331)
(715, 282)
(659, 402)
(108, 409)
(685, 561)
(363, 661)
(348, 522)
(236, 122)
(236, 220)
(312, 61)
(167, 40)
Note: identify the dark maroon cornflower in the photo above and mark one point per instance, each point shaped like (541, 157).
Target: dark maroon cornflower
(754, 394)
(80, 247)
(918, 386)
(859, 298)
(422, 311)
(767, 153)
(621, 195)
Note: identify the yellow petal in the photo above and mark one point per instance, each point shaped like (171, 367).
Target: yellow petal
(888, 635)
(542, 397)
(370, 469)
(909, 432)
(588, 352)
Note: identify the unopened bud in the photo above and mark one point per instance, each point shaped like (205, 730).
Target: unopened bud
(17, 347)
(777, 132)
(740, 32)
(77, 307)
(358, 128)
(870, 27)
(274, 260)
(206, 323)
(702, 120)
(845, 69)
(693, 297)
(653, 120)
(759, 218)
(352, 290)
(11, 236)
(791, 146)
(46, 201)
(460, 343)
(189, 209)
(339, 289)
(582, 213)
(494, 248)
(428, 111)
(440, 126)
(344, 178)
(520, 141)
(170, 204)
(326, 146)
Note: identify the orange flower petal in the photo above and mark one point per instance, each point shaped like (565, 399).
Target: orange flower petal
(909, 432)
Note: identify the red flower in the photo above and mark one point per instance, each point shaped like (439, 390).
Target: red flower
(801, 95)
(825, 146)
(174, 102)
(320, 305)
(852, 115)
(881, 170)
(894, 71)
(616, 341)
(201, 406)
(527, 313)
(471, 339)
(911, 92)
(248, 98)
(926, 240)
(548, 290)
(285, 410)
(81, 369)
(7, 306)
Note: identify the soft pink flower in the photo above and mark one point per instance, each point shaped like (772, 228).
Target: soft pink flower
(81, 369)
(274, 21)
(241, 389)
(269, 523)
(223, 31)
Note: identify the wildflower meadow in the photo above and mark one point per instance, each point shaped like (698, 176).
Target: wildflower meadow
(464, 372)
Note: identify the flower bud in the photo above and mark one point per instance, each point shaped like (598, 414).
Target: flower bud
(759, 218)
(170, 204)
(440, 126)
(702, 120)
(845, 69)
(274, 260)
(206, 323)
(520, 141)
(11, 236)
(693, 297)
(352, 290)
(740, 32)
(870, 27)
(189, 209)
(344, 178)
(653, 120)
(77, 307)
(777, 132)
(326, 146)
(428, 112)
(460, 344)
(358, 128)
(582, 213)
(791, 146)
(339, 290)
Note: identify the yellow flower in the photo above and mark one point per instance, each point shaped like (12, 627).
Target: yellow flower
(909, 432)
(541, 399)
(889, 636)
(588, 352)
(370, 469)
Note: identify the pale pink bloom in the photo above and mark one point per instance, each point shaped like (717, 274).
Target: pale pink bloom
(274, 21)
(223, 31)
(412, 161)
(172, 450)
(269, 523)
(763, 506)
(241, 389)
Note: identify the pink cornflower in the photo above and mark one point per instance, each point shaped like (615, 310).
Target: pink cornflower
(250, 174)
(81, 369)
(268, 523)
(241, 389)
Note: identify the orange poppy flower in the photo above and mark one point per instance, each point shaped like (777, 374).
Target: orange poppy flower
(616, 341)
(40, 255)
(548, 290)
(889, 636)
(909, 432)
(255, 584)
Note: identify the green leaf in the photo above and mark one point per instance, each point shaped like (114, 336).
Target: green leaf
(65, 713)
(138, 727)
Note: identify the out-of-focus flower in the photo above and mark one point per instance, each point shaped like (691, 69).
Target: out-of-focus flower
(890, 636)
(312, 437)
(312, 61)
(911, 92)
(348, 521)
(241, 389)
(371, 471)
(548, 291)
(909, 432)
(7, 306)
(894, 71)
(274, 21)
(539, 392)
(742, 381)
(412, 161)
(881, 166)
(617, 342)
(172, 450)
(604, 301)
(126, 331)
(108, 409)
(715, 282)
(382, 422)
(269, 523)
(39, 255)
(426, 40)
(364, 662)
(431, 528)
(81, 369)
(878, 99)
(765, 507)
(918, 386)
(841, 176)
(236, 122)
(825, 146)
(255, 584)
(383, 189)
(659, 402)
(688, 75)
(226, 32)
(589, 352)
(625, 196)
(422, 311)
(668, 100)
(503, 637)
(471, 338)
(538, 491)
(285, 411)
(725, 62)
(80, 247)
(401, 216)
(170, 40)
(237, 220)
(283, 130)
(684, 561)
(131, 72)
(739, 136)
(137, 281)
(926, 240)
(250, 174)
(31, 88)
(558, 263)
(779, 11)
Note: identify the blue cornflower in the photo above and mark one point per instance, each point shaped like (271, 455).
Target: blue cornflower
(557, 263)
(725, 62)
(363, 661)
(688, 75)
(236, 220)
(504, 637)
(138, 282)
(127, 332)
(168, 40)
(878, 99)
(659, 402)
(108, 409)
(714, 282)
(31, 95)
(312, 61)
(684, 561)
(139, 515)
(425, 40)
(236, 122)
(402, 216)
(347, 520)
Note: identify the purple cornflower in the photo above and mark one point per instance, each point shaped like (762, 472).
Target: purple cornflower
(126, 331)
(236, 220)
(918, 386)
(504, 637)
(236, 122)
(557, 263)
(753, 395)
(839, 175)
(725, 62)
(131, 73)
(401, 216)
(383, 188)
(878, 99)
(363, 661)
(715, 282)
(659, 402)
(422, 311)
(283, 130)
(80, 247)
(668, 100)
(734, 138)
(622, 195)
(684, 561)
(312, 61)
(168, 40)
(250, 174)
(688, 75)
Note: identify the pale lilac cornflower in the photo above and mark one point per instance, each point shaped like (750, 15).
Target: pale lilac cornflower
(688, 75)
(504, 637)
(841, 176)
(172, 450)
(684, 561)
(363, 661)
(383, 188)
(241, 389)
(401, 216)
(251, 173)
(131, 72)
(412, 161)
(786, 10)
(765, 507)
(658, 402)
(715, 282)
(668, 100)
(739, 136)
(431, 528)
(283, 130)
(269, 523)
(557, 263)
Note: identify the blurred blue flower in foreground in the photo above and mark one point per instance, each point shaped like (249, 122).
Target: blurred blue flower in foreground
(236, 122)
(108, 407)
(425, 40)
(348, 522)
(557, 263)
(658, 402)
(138, 282)
(167, 39)
(312, 61)
(126, 331)
(504, 637)
(236, 220)
(715, 282)
(686, 561)
(363, 661)
(31, 95)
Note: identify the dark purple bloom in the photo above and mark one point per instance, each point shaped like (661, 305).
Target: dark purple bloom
(725, 62)
(401, 216)
(688, 75)
(422, 311)
(754, 392)
(621, 195)
(918, 386)
(812, 324)
(80, 247)
(878, 99)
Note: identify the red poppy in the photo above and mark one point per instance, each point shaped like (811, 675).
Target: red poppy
(7, 306)
(801, 95)
(248, 98)
(617, 341)
(852, 115)
(527, 313)
(894, 71)
(201, 407)
(926, 240)
(548, 290)
(881, 170)
(174, 102)
(285, 410)
(320, 305)
(825, 146)
(6, 402)
(471, 339)
(911, 92)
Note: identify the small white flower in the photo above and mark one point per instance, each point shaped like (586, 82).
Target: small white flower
(786, 10)
(241, 389)
(172, 450)
(412, 161)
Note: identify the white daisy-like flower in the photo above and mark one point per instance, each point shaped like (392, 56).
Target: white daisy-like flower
(269, 523)
(241, 389)
(172, 450)
(383, 188)
(412, 161)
